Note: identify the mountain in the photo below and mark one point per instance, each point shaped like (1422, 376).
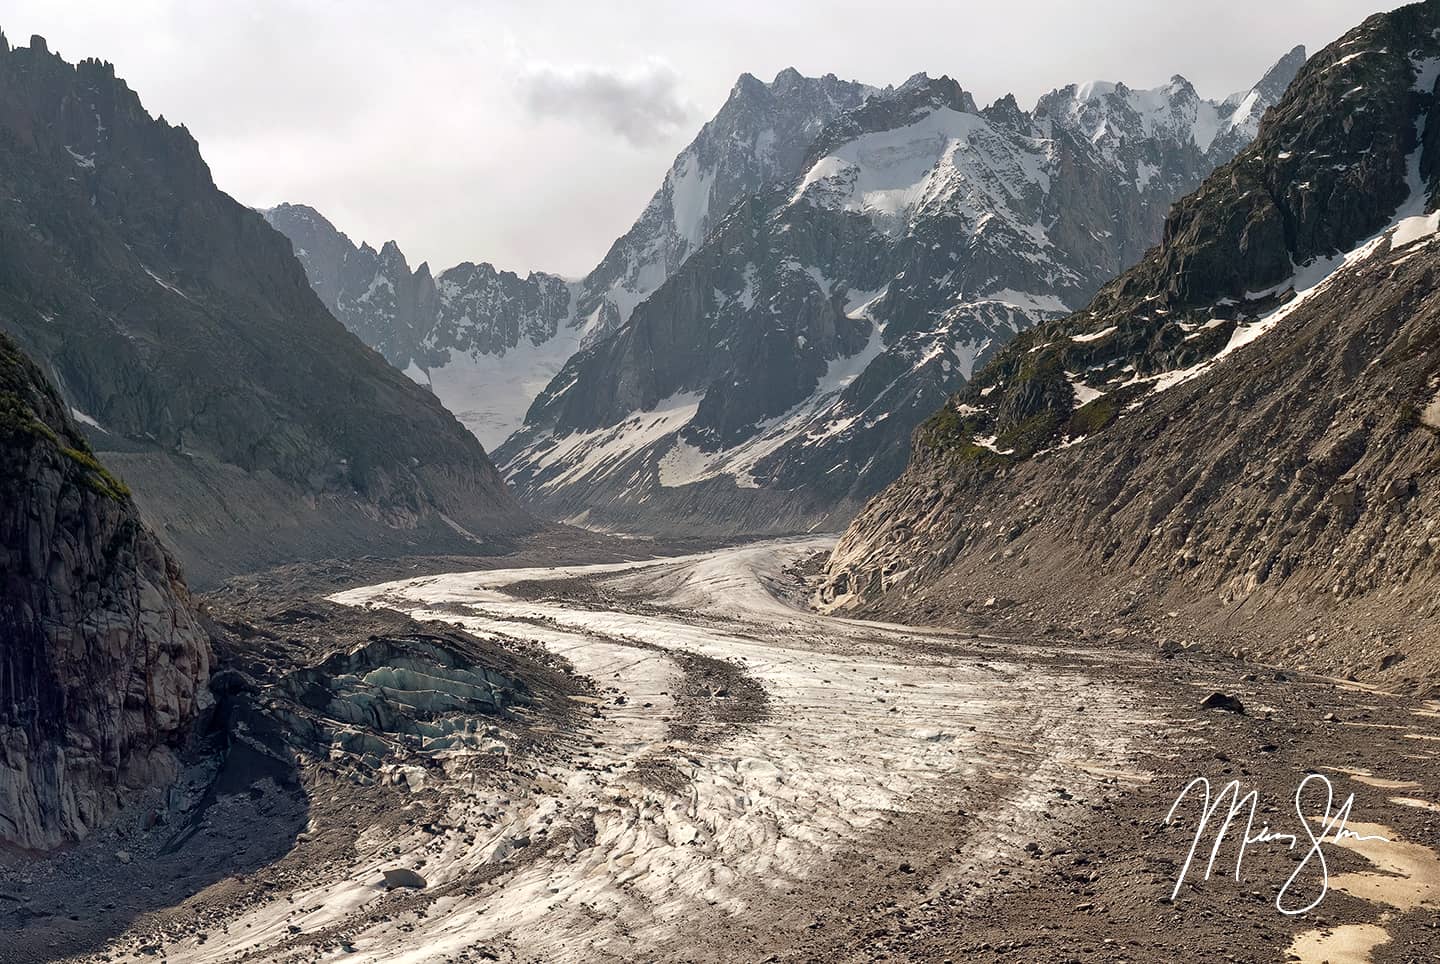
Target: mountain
(103, 665)
(1243, 429)
(487, 341)
(760, 136)
(484, 341)
(181, 330)
(772, 382)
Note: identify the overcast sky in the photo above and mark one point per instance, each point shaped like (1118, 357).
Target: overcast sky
(530, 133)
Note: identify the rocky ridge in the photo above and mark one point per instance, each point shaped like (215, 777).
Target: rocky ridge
(252, 427)
(1220, 433)
(484, 341)
(771, 383)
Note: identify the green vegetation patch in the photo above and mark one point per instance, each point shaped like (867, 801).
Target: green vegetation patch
(1093, 416)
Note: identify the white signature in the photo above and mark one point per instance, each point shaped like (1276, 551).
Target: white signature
(1331, 826)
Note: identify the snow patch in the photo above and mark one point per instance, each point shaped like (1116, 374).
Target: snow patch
(165, 284)
(86, 161)
(1095, 335)
(690, 199)
(596, 454)
(417, 374)
(84, 419)
(1084, 394)
(490, 394)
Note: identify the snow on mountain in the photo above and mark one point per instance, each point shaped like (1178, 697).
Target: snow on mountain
(487, 341)
(484, 341)
(757, 138)
(819, 322)
(1243, 423)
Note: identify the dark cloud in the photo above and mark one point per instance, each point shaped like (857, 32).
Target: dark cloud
(641, 104)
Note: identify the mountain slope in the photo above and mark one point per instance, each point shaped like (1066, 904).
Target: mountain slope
(772, 382)
(760, 136)
(252, 427)
(102, 663)
(487, 341)
(1219, 433)
(484, 341)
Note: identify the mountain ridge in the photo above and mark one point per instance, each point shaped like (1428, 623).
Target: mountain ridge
(793, 352)
(456, 333)
(1221, 445)
(252, 427)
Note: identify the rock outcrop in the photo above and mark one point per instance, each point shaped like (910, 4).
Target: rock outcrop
(1221, 442)
(102, 663)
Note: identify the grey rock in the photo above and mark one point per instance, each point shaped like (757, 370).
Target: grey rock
(102, 662)
(1223, 701)
(401, 877)
(772, 382)
(253, 428)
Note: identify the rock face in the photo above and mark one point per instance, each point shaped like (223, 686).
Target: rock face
(484, 341)
(1218, 431)
(252, 427)
(772, 382)
(102, 664)
(761, 136)
(488, 341)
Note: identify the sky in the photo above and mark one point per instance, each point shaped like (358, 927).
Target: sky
(531, 133)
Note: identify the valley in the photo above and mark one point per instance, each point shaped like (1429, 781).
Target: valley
(933, 531)
(751, 780)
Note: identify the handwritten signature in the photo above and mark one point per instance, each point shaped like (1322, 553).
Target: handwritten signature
(1331, 826)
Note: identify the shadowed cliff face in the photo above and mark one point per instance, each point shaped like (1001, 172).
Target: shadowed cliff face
(102, 665)
(252, 427)
(1244, 424)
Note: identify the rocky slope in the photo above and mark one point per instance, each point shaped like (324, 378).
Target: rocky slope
(252, 427)
(102, 663)
(760, 136)
(488, 341)
(772, 382)
(1221, 439)
(484, 341)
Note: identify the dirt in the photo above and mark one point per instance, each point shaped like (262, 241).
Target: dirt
(1102, 894)
(727, 780)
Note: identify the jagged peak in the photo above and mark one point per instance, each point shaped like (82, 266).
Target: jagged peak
(1179, 86)
(1091, 90)
(391, 254)
(1006, 110)
(746, 84)
(942, 91)
(285, 207)
(1295, 56)
(787, 77)
(1278, 77)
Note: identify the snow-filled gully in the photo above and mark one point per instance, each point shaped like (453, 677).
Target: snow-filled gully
(864, 721)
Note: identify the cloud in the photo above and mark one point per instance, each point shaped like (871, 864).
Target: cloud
(641, 103)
